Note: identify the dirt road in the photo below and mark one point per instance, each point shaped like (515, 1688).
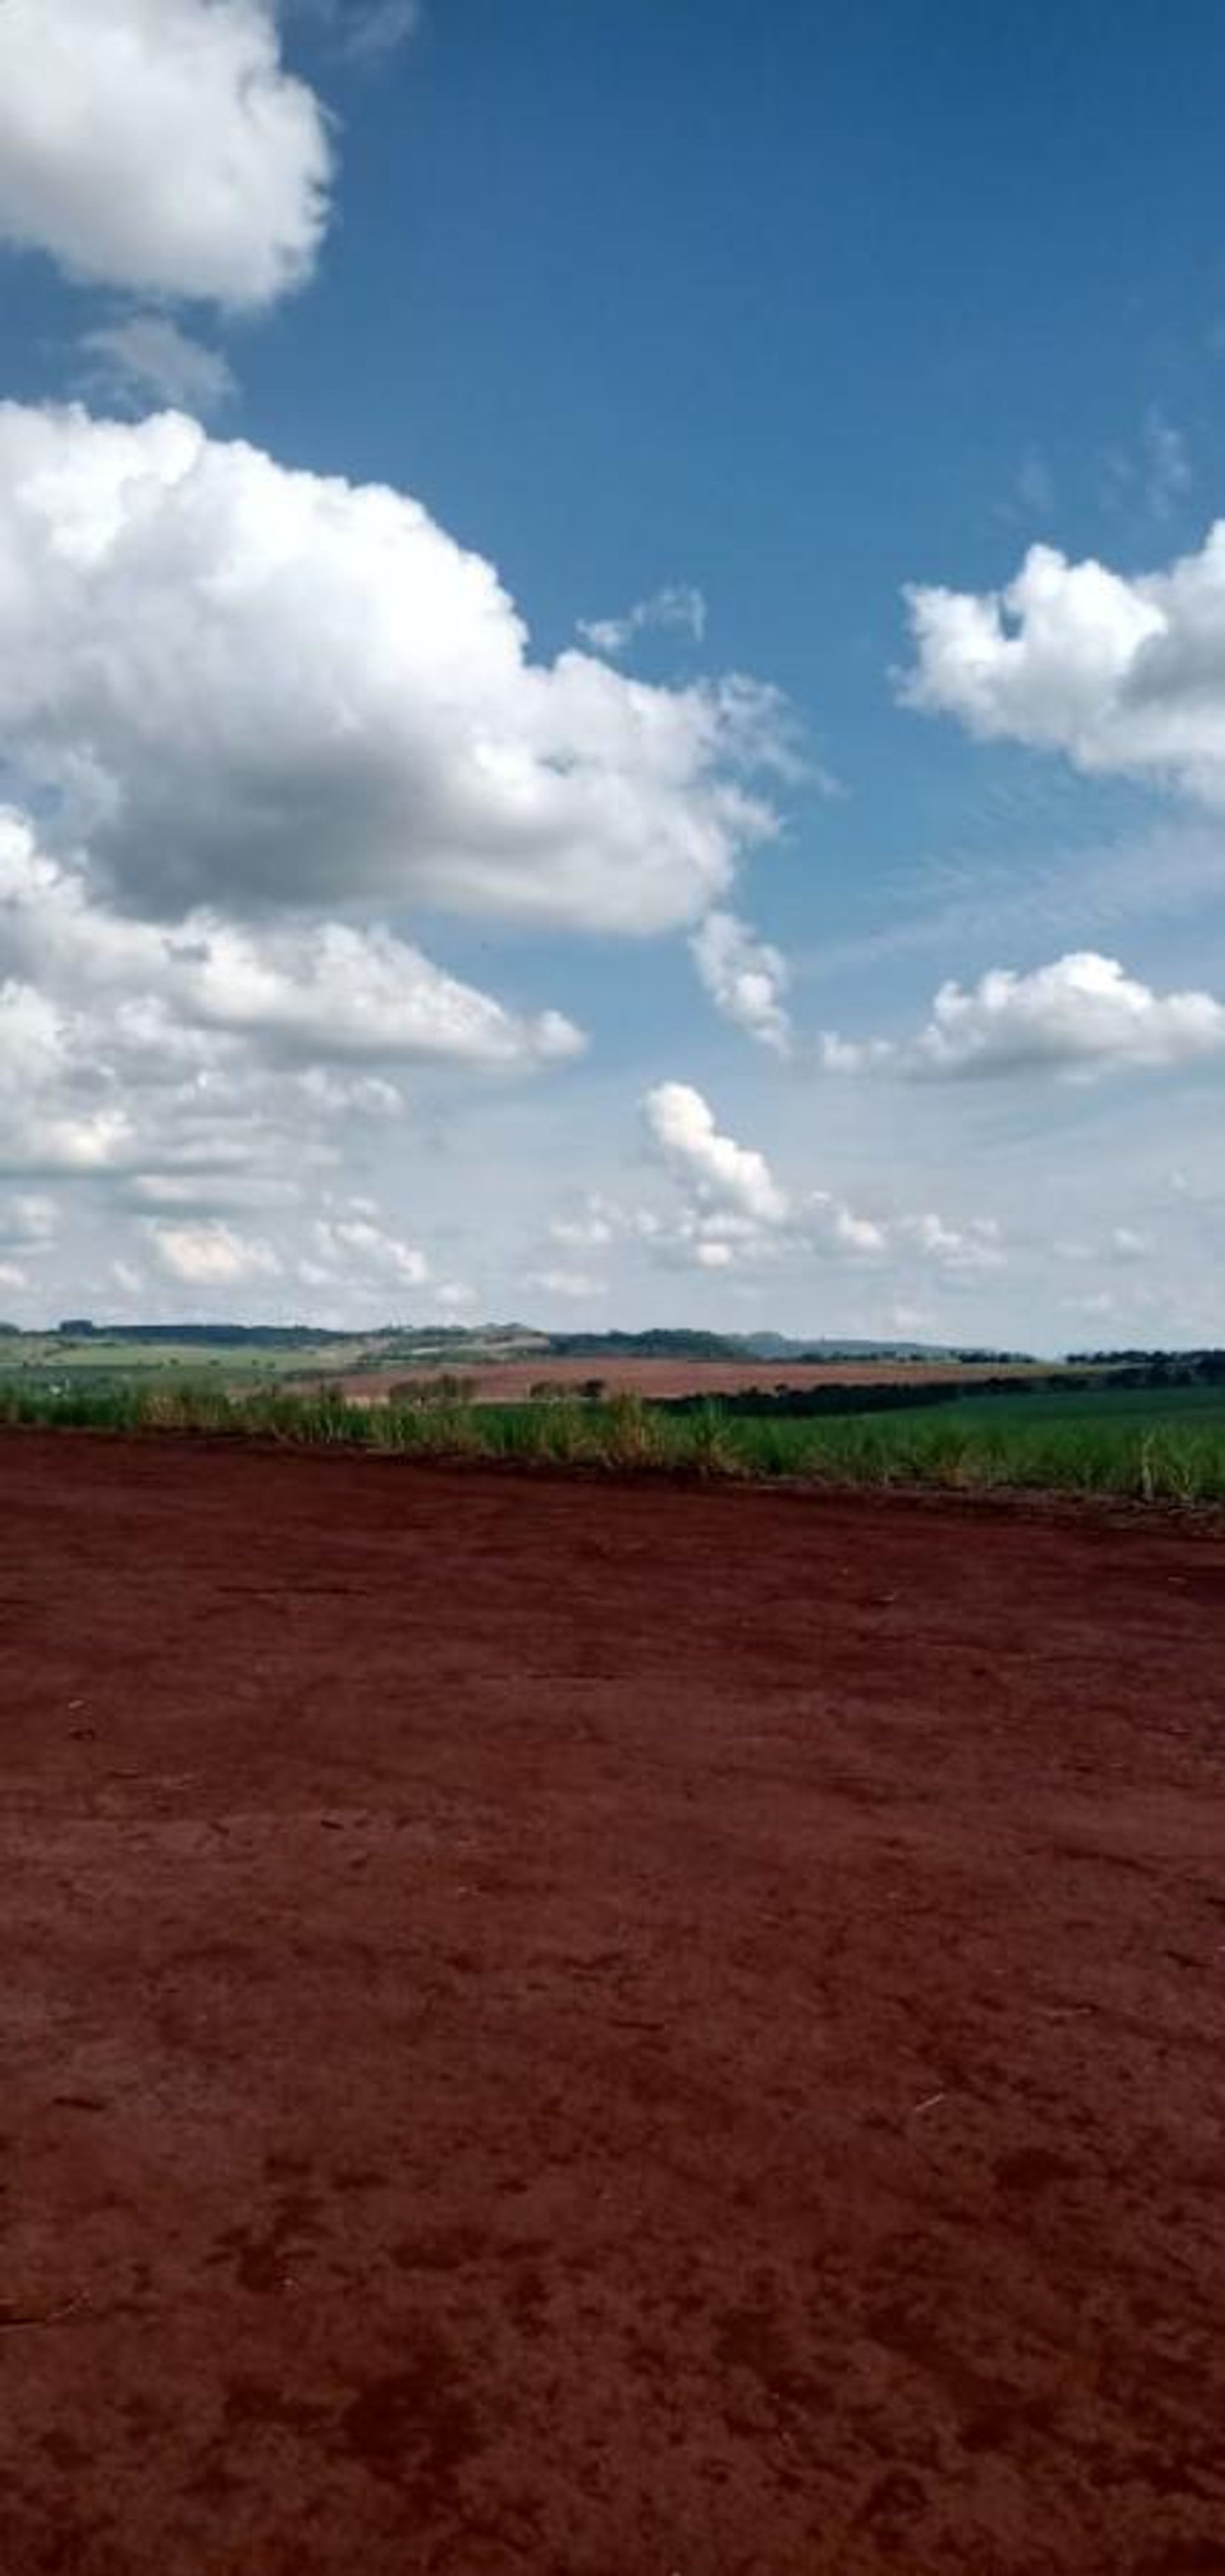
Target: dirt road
(602, 2032)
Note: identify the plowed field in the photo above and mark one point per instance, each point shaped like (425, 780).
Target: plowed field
(602, 2031)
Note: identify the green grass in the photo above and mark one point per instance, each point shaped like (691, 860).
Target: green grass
(1143, 1407)
(1158, 1451)
(47, 1359)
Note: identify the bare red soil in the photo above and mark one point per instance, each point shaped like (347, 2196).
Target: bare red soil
(602, 2031)
(512, 1381)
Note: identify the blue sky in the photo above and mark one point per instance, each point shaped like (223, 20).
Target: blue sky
(382, 939)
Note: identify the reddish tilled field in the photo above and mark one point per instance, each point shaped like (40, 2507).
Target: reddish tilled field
(602, 2031)
(513, 1381)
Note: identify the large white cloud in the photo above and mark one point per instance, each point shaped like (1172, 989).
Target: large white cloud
(1081, 1013)
(160, 145)
(194, 1068)
(1124, 675)
(311, 992)
(257, 686)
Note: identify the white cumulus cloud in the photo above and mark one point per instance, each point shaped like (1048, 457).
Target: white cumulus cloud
(55, 1117)
(1125, 675)
(733, 1211)
(722, 1174)
(1082, 1013)
(160, 146)
(745, 977)
(254, 686)
(836, 1228)
(315, 992)
(207, 1066)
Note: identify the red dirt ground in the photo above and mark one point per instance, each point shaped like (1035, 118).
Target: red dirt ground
(602, 2031)
(512, 1381)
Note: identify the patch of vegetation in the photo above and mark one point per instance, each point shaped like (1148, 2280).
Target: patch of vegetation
(887, 1395)
(1174, 1457)
(656, 1345)
(1157, 1368)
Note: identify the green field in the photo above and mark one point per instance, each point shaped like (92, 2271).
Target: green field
(47, 1359)
(1166, 1446)
(1138, 1406)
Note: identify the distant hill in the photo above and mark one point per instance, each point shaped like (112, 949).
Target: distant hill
(472, 1341)
(662, 1344)
(783, 1346)
(294, 1353)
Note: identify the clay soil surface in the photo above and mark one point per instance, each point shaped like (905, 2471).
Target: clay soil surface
(602, 2031)
(512, 1381)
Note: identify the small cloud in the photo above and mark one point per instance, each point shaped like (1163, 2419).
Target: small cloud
(591, 1226)
(1033, 491)
(211, 1256)
(1117, 479)
(838, 1229)
(973, 1247)
(1036, 485)
(911, 1319)
(1167, 472)
(722, 1174)
(1081, 1014)
(567, 1283)
(1153, 475)
(28, 1222)
(147, 354)
(745, 978)
(364, 32)
(677, 609)
(355, 1245)
(372, 33)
